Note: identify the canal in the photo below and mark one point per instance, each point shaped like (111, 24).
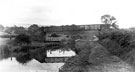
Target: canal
(11, 64)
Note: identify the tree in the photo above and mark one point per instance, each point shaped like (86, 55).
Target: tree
(20, 30)
(41, 33)
(108, 19)
(33, 28)
(118, 42)
(16, 30)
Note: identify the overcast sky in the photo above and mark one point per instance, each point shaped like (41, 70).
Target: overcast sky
(62, 12)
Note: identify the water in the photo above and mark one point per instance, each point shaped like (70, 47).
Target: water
(9, 65)
(15, 64)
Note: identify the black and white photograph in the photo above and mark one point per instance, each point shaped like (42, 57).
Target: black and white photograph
(67, 36)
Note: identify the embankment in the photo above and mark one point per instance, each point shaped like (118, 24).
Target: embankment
(94, 57)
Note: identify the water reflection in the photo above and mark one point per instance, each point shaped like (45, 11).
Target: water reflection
(30, 62)
(4, 52)
(22, 57)
(26, 59)
(9, 65)
(24, 54)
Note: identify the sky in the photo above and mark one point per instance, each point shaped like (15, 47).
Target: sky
(65, 12)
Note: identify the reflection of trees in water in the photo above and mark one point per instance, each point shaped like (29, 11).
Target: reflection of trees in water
(26, 53)
(23, 58)
(22, 54)
(39, 55)
(4, 52)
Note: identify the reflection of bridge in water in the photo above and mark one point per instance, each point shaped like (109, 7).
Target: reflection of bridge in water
(54, 45)
(58, 56)
(56, 59)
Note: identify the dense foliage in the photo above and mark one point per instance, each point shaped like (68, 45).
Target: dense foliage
(16, 30)
(23, 38)
(120, 39)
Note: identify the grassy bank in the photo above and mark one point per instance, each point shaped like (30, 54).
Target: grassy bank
(115, 48)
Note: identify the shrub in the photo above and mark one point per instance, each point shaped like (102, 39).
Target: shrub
(119, 41)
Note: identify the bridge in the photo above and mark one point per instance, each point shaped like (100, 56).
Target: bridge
(58, 58)
(52, 45)
(8, 36)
